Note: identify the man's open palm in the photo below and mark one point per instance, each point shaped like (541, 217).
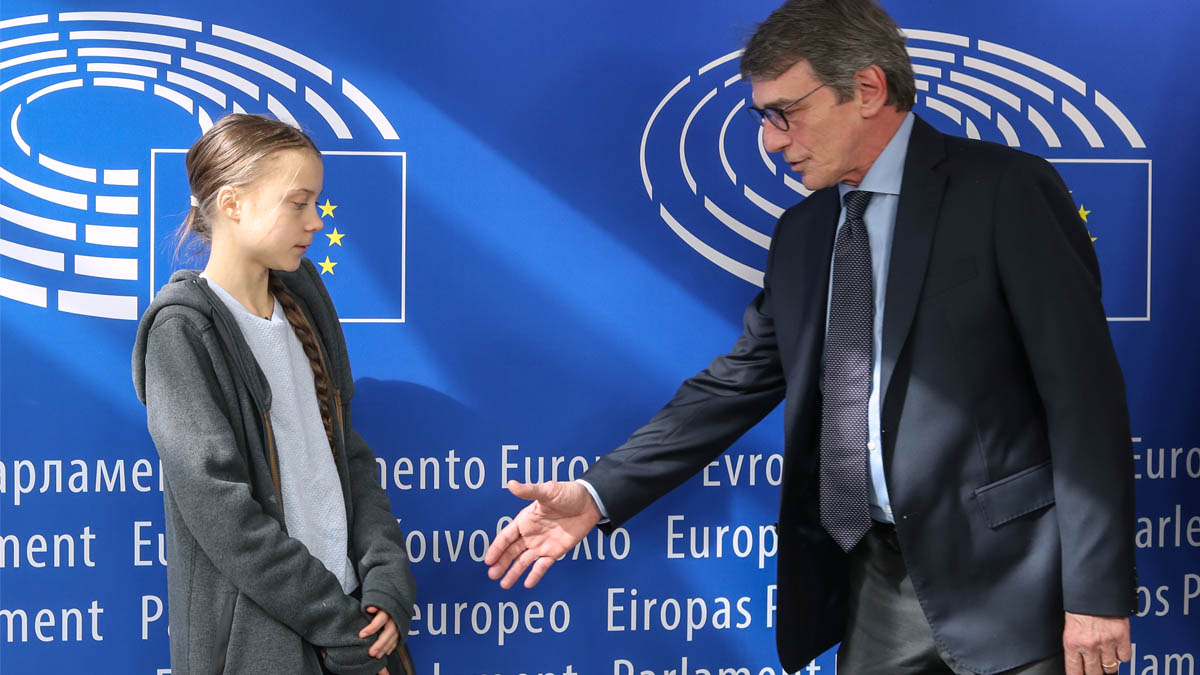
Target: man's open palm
(560, 515)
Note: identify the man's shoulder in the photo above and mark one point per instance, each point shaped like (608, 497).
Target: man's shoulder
(821, 206)
(988, 158)
(819, 201)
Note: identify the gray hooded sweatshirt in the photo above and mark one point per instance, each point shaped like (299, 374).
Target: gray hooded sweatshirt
(243, 596)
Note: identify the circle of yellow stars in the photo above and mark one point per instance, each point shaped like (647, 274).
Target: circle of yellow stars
(335, 237)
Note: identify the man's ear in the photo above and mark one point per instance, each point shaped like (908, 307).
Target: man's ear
(870, 90)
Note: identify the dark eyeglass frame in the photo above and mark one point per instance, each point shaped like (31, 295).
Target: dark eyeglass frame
(778, 116)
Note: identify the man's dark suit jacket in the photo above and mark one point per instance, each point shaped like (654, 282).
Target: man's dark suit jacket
(1004, 421)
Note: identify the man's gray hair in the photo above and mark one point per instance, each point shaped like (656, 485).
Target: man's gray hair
(838, 38)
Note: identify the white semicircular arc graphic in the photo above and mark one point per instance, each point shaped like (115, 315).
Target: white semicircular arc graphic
(985, 89)
(174, 59)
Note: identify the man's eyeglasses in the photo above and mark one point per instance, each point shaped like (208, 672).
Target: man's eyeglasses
(777, 116)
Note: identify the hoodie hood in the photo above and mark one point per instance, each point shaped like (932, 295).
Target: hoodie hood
(189, 294)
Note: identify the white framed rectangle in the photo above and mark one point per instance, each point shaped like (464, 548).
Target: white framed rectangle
(154, 152)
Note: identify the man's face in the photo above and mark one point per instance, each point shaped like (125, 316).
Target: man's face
(823, 139)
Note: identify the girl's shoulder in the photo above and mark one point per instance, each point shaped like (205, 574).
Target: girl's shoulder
(183, 297)
(178, 320)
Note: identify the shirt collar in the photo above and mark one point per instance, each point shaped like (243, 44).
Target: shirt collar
(886, 173)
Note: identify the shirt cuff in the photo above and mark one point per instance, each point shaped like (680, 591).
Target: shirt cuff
(596, 498)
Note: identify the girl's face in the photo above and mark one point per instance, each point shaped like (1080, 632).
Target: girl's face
(279, 212)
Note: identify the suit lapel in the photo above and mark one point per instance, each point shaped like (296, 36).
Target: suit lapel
(813, 269)
(801, 294)
(921, 193)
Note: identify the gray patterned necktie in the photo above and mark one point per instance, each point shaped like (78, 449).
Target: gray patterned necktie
(846, 381)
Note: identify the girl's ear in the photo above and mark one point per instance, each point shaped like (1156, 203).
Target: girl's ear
(228, 203)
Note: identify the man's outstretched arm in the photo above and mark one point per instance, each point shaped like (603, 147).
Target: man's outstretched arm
(709, 412)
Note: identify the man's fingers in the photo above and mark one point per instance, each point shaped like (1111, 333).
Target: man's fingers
(1115, 650)
(1091, 662)
(539, 570)
(530, 491)
(1109, 663)
(518, 567)
(498, 560)
(1124, 648)
(1095, 645)
(1074, 663)
(496, 571)
(503, 557)
(507, 557)
(509, 554)
(503, 543)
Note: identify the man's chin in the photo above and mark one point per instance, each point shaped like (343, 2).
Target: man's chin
(814, 182)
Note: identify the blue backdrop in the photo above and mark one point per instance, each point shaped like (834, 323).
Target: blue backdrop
(547, 215)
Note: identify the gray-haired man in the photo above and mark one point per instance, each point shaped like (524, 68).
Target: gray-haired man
(958, 483)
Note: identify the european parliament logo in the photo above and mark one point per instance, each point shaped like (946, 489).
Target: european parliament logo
(704, 166)
(96, 108)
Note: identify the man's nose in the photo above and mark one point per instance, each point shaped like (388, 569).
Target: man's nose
(774, 140)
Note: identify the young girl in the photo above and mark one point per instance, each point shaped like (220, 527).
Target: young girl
(284, 554)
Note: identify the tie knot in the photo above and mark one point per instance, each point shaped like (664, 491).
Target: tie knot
(856, 204)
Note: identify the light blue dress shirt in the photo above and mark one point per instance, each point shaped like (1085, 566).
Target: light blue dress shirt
(883, 179)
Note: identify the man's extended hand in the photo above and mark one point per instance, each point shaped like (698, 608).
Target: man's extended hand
(562, 513)
(1093, 642)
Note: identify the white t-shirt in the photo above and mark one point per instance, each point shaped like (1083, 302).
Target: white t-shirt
(313, 504)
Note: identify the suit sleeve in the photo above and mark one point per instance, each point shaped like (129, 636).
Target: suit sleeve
(378, 544)
(707, 414)
(208, 479)
(1051, 279)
